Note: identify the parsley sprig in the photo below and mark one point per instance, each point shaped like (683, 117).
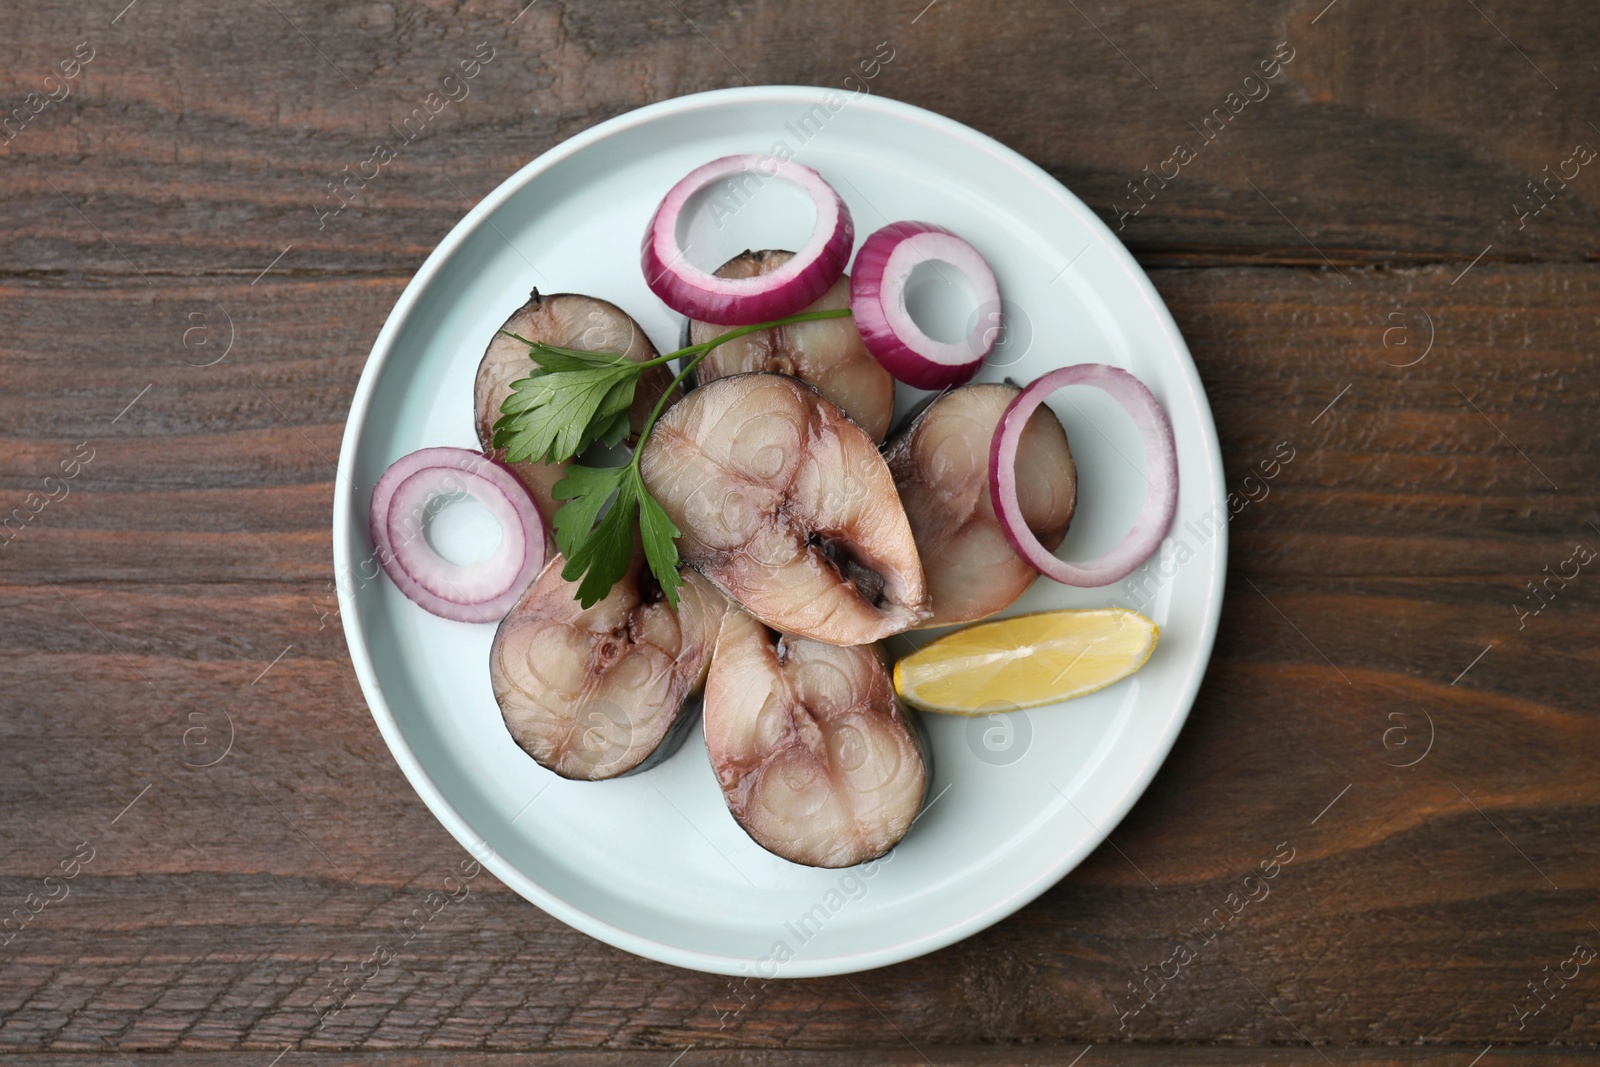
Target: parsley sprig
(573, 399)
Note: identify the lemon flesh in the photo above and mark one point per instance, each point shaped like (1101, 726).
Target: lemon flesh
(1025, 661)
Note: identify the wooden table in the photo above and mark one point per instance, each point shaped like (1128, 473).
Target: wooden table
(1354, 255)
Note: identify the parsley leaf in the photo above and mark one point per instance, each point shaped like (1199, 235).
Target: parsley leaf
(552, 357)
(585, 491)
(552, 416)
(570, 400)
(660, 538)
(604, 555)
(617, 432)
(601, 554)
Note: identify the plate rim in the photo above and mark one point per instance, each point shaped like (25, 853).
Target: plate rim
(345, 516)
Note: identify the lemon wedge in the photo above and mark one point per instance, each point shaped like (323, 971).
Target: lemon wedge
(1025, 661)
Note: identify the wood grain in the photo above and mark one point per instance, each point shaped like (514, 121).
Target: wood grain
(1394, 134)
(178, 594)
(977, 1056)
(1386, 557)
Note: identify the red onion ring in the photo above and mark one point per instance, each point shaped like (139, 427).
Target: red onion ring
(745, 301)
(475, 592)
(878, 300)
(1161, 456)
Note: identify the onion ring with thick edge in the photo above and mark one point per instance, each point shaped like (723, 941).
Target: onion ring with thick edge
(878, 300)
(746, 301)
(1161, 457)
(476, 592)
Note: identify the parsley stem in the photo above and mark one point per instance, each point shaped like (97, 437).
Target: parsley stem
(701, 350)
(742, 331)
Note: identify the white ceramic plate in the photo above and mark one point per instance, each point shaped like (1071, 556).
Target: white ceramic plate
(653, 863)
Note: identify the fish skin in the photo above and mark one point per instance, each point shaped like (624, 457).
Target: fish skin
(595, 693)
(828, 355)
(817, 760)
(786, 506)
(565, 320)
(940, 464)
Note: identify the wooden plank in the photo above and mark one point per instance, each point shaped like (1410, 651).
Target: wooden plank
(178, 697)
(1376, 579)
(1395, 132)
(1089, 1055)
(1397, 471)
